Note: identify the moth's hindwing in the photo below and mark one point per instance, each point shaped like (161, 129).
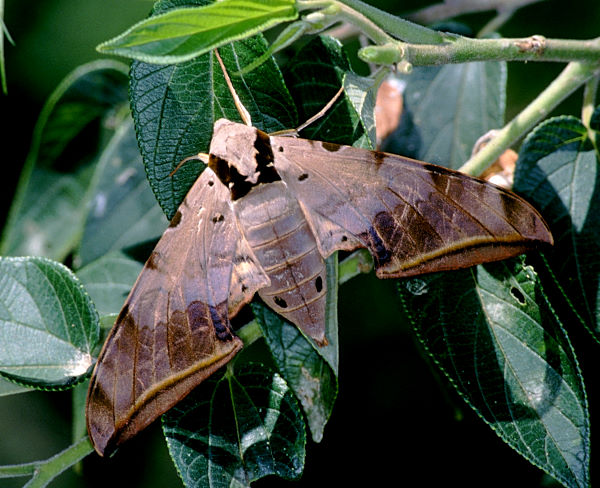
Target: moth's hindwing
(413, 217)
(174, 330)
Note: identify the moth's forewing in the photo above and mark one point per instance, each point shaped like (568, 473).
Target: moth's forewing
(174, 330)
(414, 217)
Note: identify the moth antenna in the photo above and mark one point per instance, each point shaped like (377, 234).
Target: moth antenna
(198, 157)
(317, 116)
(244, 114)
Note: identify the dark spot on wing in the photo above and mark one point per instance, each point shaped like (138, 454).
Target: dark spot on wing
(153, 260)
(218, 218)
(220, 321)
(124, 312)
(280, 302)
(280, 148)
(376, 245)
(244, 288)
(211, 182)
(319, 284)
(330, 146)
(302, 177)
(264, 158)
(229, 176)
(240, 258)
(176, 219)
(344, 238)
(378, 157)
(198, 317)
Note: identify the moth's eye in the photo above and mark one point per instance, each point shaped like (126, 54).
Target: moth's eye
(319, 284)
(211, 182)
(302, 177)
(281, 302)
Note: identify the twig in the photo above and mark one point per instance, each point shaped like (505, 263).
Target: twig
(571, 78)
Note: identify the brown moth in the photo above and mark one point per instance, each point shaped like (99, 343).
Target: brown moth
(262, 217)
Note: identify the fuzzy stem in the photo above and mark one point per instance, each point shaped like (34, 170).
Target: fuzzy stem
(589, 100)
(45, 471)
(249, 333)
(571, 78)
(460, 49)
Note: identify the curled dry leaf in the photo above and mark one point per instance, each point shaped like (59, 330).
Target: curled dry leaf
(502, 171)
(388, 108)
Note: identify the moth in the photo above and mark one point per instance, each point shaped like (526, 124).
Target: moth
(261, 218)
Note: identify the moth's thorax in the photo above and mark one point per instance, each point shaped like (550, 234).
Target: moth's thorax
(241, 157)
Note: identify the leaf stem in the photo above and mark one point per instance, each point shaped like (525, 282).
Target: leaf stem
(459, 49)
(571, 78)
(397, 27)
(355, 264)
(348, 14)
(43, 472)
(589, 100)
(249, 333)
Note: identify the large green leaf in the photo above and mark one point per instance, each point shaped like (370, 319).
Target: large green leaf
(175, 107)
(123, 211)
(308, 374)
(109, 280)
(11, 388)
(494, 334)
(447, 108)
(48, 324)
(236, 429)
(314, 75)
(186, 33)
(558, 172)
(50, 204)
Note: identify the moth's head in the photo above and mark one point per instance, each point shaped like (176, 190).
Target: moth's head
(237, 150)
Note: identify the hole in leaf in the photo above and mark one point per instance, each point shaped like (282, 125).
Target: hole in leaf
(517, 295)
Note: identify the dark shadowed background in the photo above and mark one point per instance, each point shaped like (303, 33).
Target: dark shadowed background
(395, 418)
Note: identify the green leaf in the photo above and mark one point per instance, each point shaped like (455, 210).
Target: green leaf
(236, 429)
(109, 280)
(186, 33)
(314, 75)
(123, 211)
(558, 172)
(11, 388)
(308, 374)
(494, 334)
(446, 109)
(47, 214)
(48, 324)
(175, 108)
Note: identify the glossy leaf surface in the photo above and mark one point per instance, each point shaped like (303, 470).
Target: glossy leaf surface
(50, 203)
(446, 109)
(558, 171)
(493, 333)
(185, 33)
(48, 324)
(236, 429)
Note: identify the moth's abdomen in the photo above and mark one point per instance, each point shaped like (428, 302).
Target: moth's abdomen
(277, 231)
